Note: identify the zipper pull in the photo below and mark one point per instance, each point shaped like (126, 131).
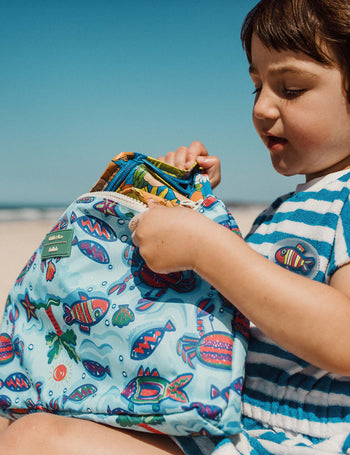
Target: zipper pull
(191, 204)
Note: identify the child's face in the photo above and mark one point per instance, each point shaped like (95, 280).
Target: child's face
(300, 112)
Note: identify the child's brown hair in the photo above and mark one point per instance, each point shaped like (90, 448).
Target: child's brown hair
(318, 28)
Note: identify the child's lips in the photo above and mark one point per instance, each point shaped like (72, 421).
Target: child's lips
(276, 143)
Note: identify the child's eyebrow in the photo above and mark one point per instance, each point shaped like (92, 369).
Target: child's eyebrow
(280, 70)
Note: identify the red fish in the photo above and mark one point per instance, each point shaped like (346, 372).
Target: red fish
(86, 312)
(294, 259)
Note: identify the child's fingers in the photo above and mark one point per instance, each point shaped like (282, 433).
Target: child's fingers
(195, 150)
(211, 165)
(134, 222)
(176, 159)
(185, 157)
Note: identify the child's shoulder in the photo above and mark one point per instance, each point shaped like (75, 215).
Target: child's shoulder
(332, 188)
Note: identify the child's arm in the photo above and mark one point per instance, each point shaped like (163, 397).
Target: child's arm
(307, 318)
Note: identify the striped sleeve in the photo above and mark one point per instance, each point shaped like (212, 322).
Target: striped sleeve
(341, 251)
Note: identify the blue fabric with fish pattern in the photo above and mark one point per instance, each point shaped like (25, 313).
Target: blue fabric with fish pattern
(90, 331)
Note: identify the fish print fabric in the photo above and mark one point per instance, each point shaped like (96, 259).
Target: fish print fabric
(96, 334)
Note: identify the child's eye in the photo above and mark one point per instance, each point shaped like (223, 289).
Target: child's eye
(292, 93)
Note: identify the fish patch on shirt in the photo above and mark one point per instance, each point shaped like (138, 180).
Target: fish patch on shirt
(297, 256)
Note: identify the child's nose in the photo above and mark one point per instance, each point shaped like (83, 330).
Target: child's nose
(265, 105)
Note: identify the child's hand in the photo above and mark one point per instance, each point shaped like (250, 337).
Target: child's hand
(167, 237)
(185, 157)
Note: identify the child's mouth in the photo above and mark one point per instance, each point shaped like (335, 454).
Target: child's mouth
(276, 143)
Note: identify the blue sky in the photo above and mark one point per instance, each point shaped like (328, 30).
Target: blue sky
(82, 80)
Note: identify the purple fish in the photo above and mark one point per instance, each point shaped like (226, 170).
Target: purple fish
(92, 250)
(207, 411)
(9, 348)
(96, 369)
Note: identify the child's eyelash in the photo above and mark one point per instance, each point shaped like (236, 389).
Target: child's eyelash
(288, 93)
(291, 94)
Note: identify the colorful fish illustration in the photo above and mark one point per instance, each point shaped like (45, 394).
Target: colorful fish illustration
(50, 268)
(9, 348)
(183, 281)
(85, 200)
(123, 316)
(236, 385)
(38, 406)
(92, 250)
(96, 369)
(85, 312)
(95, 227)
(207, 411)
(61, 224)
(80, 393)
(150, 388)
(120, 286)
(179, 281)
(205, 308)
(241, 325)
(25, 269)
(16, 382)
(213, 349)
(147, 342)
(111, 208)
(293, 258)
(5, 402)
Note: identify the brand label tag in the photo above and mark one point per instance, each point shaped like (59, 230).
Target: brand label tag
(57, 244)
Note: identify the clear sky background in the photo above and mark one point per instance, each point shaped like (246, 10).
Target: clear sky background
(82, 80)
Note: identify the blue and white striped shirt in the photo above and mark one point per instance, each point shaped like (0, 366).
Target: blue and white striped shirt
(289, 406)
(307, 231)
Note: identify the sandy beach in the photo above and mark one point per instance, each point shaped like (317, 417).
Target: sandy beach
(18, 240)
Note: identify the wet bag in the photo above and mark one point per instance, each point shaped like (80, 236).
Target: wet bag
(89, 331)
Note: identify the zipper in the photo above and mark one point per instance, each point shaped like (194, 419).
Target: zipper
(122, 198)
(134, 203)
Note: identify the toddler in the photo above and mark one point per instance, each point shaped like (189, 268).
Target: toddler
(290, 276)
